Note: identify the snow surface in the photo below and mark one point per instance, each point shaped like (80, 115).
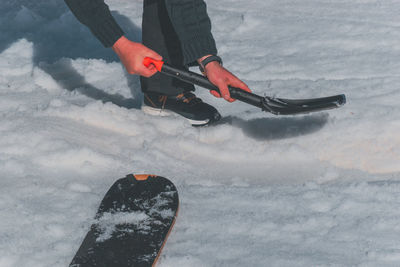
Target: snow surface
(259, 190)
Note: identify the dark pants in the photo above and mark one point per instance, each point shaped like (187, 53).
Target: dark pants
(159, 35)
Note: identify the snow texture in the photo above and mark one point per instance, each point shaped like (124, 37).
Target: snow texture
(152, 212)
(108, 222)
(258, 190)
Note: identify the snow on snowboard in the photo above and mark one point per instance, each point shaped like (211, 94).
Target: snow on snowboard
(131, 225)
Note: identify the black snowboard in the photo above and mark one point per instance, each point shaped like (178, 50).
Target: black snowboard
(131, 225)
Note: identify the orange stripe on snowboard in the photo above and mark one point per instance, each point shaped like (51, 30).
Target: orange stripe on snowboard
(143, 177)
(165, 240)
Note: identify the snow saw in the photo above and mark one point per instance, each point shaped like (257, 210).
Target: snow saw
(274, 105)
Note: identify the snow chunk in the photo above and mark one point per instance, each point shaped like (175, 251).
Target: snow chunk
(108, 222)
(17, 60)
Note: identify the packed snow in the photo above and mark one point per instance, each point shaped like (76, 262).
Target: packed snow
(321, 189)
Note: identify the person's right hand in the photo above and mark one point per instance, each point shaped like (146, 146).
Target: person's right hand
(132, 55)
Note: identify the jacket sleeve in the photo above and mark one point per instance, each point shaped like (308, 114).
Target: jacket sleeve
(193, 26)
(96, 15)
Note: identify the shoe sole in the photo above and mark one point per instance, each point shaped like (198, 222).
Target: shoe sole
(165, 113)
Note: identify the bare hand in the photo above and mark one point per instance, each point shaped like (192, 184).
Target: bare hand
(222, 78)
(132, 55)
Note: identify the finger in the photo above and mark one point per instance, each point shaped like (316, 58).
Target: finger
(147, 72)
(154, 55)
(215, 93)
(150, 68)
(224, 91)
(239, 84)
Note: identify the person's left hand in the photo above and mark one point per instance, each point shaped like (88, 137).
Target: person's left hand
(222, 78)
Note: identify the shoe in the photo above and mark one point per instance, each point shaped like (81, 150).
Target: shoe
(186, 104)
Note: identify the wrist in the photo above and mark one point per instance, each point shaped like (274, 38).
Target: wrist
(209, 59)
(211, 66)
(120, 44)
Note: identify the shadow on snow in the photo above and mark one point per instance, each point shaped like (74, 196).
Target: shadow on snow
(278, 128)
(56, 34)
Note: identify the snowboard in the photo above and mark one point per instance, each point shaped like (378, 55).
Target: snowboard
(131, 225)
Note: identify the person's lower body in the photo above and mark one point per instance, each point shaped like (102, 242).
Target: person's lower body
(164, 94)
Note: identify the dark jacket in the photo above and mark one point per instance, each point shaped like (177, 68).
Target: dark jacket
(189, 19)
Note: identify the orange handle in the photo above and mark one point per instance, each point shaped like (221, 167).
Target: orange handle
(147, 61)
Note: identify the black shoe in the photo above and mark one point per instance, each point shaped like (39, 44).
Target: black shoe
(187, 105)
